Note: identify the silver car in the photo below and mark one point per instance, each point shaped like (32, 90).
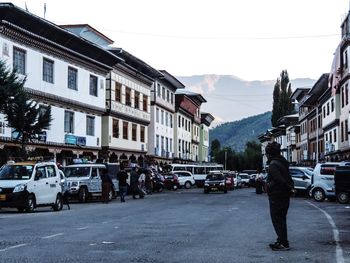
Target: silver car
(84, 181)
(301, 177)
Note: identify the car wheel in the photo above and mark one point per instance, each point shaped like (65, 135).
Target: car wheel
(206, 191)
(20, 209)
(30, 204)
(110, 195)
(58, 204)
(188, 185)
(319, 195)
(225, 191)
(82, 195)
(343, 197)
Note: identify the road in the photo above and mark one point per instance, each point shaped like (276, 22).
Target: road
(177, 226)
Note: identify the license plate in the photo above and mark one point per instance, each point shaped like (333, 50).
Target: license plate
(2, 197)
(214, 188)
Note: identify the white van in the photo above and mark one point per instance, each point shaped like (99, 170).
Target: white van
(322, 181)
(27, 185)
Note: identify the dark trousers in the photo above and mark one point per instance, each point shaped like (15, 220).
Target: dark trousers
(106, 188)
(123, 192)
(66, 200)
(278, 212)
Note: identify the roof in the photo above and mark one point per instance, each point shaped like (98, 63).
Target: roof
(44, 30)
(317, 90)
(136, 63)
(172, 80)
(299, 93)
(207, 118)
(191, 94)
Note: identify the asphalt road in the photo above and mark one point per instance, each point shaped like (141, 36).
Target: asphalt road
(177, 226)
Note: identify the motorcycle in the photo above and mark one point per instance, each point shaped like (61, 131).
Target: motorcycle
(158, 183)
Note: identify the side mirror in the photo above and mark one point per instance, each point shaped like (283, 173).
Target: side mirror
(305, 177)
(36, 178)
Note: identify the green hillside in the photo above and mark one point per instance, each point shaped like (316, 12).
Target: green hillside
(237, 133)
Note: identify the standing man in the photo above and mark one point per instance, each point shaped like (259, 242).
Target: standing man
(106, 186)
(279, 188)
(134, 182)
(122, 176)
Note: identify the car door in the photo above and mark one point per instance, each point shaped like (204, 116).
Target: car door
(298, 178)
(54, 180)
(95, 181)
(41, 186)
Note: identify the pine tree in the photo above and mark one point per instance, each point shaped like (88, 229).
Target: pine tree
(282, 104)
(276, 103)
(21, 112)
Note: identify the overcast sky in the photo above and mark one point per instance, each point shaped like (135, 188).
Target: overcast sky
(251, 39)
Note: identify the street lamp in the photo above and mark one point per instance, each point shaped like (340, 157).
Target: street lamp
(225, 159)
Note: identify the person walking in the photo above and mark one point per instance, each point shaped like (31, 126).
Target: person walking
(106, 186)
(134, 182)
(279, 186)
(122, 176)
(149, 182)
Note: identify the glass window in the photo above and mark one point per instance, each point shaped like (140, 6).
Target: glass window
(69, 121)
(163, 93)
(115, 128)
(128, 96)
(118, 92)
(93, 85)
(137, 100)
(158, 90)
(145, 101)
(90, 125)
(51, 172)
(157, 115)
(47, 70)
(167, 96)
(72, 78)
(125, 130)
(162, 117)
(19, 60)
(134, 132)
(142, 134)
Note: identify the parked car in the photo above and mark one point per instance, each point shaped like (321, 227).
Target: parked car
(27, 185)
(185, 179)
(244, 178)
(84, 181)
(322, 181)
(342, 184)
(301, 177)
(171, 181)
(215, 181)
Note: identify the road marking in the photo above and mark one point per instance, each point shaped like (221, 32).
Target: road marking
(116, 227)
(338, 249)
(55, 235)
(106, 222)
(107, 242)
(83, 228)
(8, 248)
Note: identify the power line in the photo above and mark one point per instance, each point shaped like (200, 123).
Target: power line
(220, 38)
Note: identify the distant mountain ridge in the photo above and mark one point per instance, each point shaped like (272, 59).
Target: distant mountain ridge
(237, 133)
(231, 98)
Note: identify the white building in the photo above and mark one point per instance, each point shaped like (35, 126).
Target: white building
(161, 135)
(206, 120)
(63, 71)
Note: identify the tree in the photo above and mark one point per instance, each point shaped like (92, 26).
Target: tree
(22, 113)
(215, 147)
(282, 104)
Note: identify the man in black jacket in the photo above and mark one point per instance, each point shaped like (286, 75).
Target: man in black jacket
(279, 188)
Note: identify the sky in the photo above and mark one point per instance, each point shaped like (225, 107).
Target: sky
(250, 39)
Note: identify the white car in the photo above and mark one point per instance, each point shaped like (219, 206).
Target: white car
(244, 179)
(185, 179)
(27, 185)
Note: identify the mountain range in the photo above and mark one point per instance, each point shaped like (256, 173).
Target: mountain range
(237, 133)
(230, 98)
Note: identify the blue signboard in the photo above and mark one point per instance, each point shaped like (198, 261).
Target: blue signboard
(70, 139)
(42, 136)
(81, 141)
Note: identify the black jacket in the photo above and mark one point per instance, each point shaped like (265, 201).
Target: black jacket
(279, 182)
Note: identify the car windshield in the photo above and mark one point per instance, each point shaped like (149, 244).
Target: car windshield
(308, 171)
(244, 176)
(77, 171)
(214, 177)
(16, 172)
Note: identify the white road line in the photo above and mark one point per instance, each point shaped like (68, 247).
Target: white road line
(8, 248)
(55, 235)
(83, 228)
(338, 250)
